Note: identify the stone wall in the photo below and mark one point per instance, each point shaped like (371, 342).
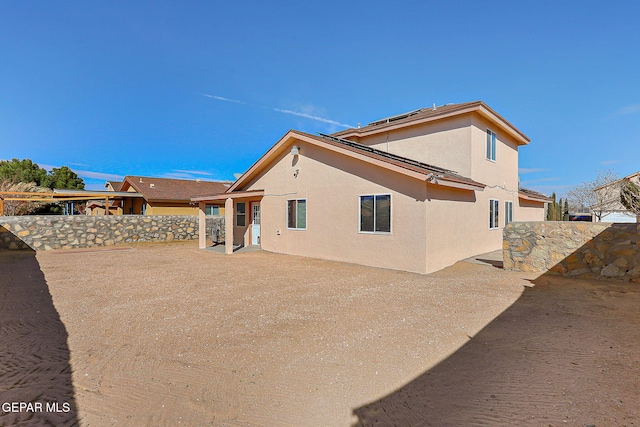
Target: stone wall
(589, 250)
(69, 232)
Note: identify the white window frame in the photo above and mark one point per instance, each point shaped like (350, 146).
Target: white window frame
(374, 195)
(508, 212)
(494, 214)
(244, 214)
(491, 145)
(305, 214)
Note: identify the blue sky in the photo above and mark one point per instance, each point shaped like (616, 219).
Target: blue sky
(202, 89)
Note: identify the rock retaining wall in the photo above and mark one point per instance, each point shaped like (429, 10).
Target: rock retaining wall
(589, 250)
(69, 232)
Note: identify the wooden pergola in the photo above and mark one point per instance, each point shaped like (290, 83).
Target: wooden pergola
(26, 196)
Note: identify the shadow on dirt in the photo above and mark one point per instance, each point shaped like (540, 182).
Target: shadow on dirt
(564, 352)
(34, 355)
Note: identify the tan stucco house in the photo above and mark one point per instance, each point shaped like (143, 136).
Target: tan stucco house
(142, 195)
(415, 192)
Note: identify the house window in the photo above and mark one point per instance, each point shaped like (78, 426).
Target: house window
(375, 213)
(241, 214)
(491, 145)
(493, 214)
(297, 214)
(212, 210)
(508, 212)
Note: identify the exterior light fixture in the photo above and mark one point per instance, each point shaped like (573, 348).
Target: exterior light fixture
(295, 150)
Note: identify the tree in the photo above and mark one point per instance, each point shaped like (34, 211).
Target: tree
(630, 196)
(26, 176)
(64, 177)
(22, 171)
(554, 209)
(565, 210)
(596, 196)
(13, 207)
(560, 212)
(551, 207)
(28, 172)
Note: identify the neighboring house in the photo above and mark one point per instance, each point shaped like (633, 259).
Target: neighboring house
(615, 210)
(163, 196)
(113, 185)
(374, 195)
(96, 207)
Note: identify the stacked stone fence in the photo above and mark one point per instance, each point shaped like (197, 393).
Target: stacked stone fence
(69, 232)
(574, 249)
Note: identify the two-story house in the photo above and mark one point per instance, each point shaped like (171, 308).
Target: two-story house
(414, 192)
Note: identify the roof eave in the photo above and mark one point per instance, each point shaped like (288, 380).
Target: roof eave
(631, 176)
(533, 198)
(224, 196)
(476, 186)
(477, 106)
(283, 143)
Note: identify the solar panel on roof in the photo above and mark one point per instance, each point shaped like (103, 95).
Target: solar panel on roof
(394, 118)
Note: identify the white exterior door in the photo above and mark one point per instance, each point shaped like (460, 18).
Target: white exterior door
(255, 223)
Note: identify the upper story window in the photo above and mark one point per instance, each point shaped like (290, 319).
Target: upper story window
(493, 213)
(375, 213)
(491, 145)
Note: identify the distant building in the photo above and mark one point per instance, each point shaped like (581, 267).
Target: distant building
(616, 212)
(141, 195)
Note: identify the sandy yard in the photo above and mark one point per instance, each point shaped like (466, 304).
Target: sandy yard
(172, 335)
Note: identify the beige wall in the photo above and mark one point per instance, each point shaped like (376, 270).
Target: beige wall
(504, 171)
(530, 211)
(444, 143)
(451, 217)
(459, 144)
(331, 184)
(155, 209)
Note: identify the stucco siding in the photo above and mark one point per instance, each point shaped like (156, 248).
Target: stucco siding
(451, 215)
(444, 144)
(504, 170)
(331, 185)
(160, 209)
(529, 211)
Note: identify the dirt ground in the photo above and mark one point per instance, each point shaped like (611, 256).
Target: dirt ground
(166, 334)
